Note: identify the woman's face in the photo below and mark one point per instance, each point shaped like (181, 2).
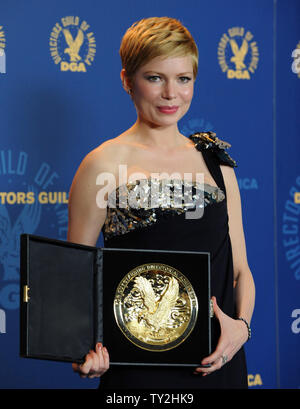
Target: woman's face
(162, 90)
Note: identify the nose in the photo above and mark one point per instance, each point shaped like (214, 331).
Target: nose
(169, 90)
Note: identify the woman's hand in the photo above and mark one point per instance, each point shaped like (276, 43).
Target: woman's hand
(234, 334)
(95, 365)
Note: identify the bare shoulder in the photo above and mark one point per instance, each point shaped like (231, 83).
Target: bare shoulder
(107, 156)
(102, 163)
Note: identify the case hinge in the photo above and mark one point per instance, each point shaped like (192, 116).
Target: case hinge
(25, 293)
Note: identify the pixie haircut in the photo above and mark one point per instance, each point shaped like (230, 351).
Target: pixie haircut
(156, 37)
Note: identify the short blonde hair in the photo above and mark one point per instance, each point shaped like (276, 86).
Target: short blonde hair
(156, 37)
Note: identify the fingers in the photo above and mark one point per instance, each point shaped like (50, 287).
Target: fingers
(223, 354)
(103, 357)
(217, 360)
(86, 366)
(230, 341)
(224, 350)
(93, 370)
(218, 363)
(95, 365)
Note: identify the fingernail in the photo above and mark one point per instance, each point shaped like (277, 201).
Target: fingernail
(99, 345)
(104, 349)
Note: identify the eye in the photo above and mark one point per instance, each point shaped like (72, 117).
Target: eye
(184, 79)
(153, 78)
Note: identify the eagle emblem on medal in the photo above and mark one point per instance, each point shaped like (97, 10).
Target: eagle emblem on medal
(155, 307)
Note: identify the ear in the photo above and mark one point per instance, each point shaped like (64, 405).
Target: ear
(125, 80)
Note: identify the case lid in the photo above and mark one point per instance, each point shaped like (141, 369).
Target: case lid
(57, 299)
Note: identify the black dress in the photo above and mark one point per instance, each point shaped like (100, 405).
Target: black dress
(169, 229)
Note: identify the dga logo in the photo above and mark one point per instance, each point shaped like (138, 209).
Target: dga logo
(238, 54)
(196, 125)
(296, 60)
(72, 44)
(290, 229)
(29, 205)
(2, 51)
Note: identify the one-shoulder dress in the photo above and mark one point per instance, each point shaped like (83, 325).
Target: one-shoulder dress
(167, 228)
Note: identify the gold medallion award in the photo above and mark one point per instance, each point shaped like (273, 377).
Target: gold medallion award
(155, 307)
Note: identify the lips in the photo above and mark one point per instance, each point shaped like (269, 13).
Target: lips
(168, 109)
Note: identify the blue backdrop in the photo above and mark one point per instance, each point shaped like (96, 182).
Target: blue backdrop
(55, 110)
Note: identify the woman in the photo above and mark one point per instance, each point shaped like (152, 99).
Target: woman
(160, 58)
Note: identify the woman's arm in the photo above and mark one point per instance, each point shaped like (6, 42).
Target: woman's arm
(244, 283)
(234, 333)
(86, 218)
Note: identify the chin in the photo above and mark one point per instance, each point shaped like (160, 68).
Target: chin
(167, 120)
(165, 123)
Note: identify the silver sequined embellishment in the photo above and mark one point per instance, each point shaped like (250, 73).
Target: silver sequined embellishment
(140, 203)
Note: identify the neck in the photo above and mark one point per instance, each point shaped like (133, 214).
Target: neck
(157, 136)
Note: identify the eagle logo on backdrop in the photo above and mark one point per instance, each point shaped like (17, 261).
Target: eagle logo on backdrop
(238, 53)
(26, 222)
(2, 51)
(72, 44)
(290, 229)
(29, 208)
